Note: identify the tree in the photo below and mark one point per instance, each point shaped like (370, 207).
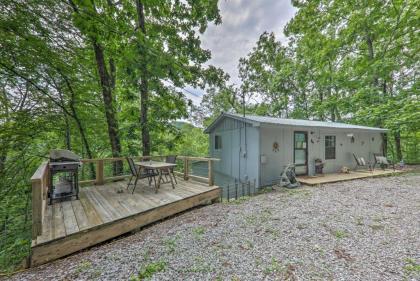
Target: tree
(166, 52)
(346, 61)
(70, 74)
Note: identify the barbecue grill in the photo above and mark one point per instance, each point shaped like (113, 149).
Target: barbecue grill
(67, 186)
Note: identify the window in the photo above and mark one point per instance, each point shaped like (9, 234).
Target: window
(329, 147)
(217, 142)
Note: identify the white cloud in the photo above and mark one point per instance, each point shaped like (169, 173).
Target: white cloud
(243, 21)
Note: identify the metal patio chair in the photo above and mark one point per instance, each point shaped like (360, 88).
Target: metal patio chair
(361, 162)
(170, 159)
(137, 174)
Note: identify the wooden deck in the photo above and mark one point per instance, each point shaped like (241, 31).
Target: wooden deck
(103, 213)
(339, 177)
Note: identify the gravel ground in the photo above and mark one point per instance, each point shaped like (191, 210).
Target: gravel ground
(357, 230)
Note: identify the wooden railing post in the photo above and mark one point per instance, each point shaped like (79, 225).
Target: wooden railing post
(211, 179)
(36, 208)
(99, 172)
(39, 182)
(186, 168)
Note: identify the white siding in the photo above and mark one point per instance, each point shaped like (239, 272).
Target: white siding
(283, 135)
(234, 162)
(259, 141)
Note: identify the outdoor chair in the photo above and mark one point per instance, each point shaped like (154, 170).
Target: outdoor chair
(383, 162)
(137, 174)
(361, 162)
(170, 159)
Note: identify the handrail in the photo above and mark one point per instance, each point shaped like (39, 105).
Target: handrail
(39, 182)
(113, 159)
(100, 177)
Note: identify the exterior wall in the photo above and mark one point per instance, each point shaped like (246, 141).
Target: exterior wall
(239, 156)
(363, 146)
(236, 164)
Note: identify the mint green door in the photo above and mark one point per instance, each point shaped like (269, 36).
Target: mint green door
(300, 152)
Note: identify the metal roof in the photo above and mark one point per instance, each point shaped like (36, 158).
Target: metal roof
(258, 120)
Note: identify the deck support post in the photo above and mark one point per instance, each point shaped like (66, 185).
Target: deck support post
(39, 182)
(36, 208)
(99, 172)
(210, 175)
(186, 168)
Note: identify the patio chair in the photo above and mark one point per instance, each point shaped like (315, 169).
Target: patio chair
(383, 162)
(361, 162)
(170, 159)
(142, 174)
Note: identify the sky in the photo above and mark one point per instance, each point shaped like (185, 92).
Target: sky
(243, 21)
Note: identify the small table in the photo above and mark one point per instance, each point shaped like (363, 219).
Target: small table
(158, 166)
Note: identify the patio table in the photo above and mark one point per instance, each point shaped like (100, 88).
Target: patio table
(159, 167)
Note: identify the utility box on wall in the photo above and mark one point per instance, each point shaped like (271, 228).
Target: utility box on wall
(263, 159)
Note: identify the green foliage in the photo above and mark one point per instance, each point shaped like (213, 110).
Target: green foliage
(340, 234)
(150, 269)
(83, 266)
(171, 243)
(198, 231)
(412, 267)
(274, 267)
(346, 61)
(52, 91)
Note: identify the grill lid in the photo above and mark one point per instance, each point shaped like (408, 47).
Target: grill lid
(63, 155)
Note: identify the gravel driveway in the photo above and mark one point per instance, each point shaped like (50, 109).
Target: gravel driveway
(358, 230)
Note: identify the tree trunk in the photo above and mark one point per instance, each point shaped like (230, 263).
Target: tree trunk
(107, 86)
(144, 94)
(4, 142)
(3, 157)
(397, 138)
(84, 138)
(73, 114)
(68, 135)
(321, 99)
(107, 82)
(371, 56)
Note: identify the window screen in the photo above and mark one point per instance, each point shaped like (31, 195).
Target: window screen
(329, 147)
(217, 142)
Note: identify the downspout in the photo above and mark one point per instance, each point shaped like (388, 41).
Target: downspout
(245, 154)
(240, 150)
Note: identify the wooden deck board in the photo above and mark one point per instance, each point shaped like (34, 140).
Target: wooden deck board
(339, 177)
(109, 204)
(103, 212)
(58, 221)
(79, 212)
(113, 200)
(92, 215)
(70, 222)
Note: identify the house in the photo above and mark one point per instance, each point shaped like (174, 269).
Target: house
(258, 147)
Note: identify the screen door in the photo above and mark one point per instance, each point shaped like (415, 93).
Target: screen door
(301, 152)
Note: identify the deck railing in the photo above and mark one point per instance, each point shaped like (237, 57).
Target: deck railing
(39, 183)
(101, 178)
(40, 180)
